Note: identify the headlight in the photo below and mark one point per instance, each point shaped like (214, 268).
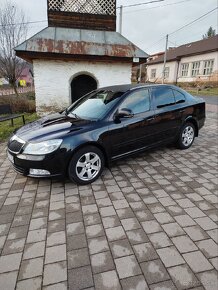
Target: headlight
(42, 147)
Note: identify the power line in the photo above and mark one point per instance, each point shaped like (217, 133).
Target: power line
(139, 4)
(155, 7)
(184, 26)
(197, 19)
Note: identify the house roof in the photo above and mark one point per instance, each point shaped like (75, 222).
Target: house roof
(80, 42)
(198, 47)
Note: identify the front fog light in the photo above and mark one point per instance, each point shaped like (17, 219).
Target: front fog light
(39, 172)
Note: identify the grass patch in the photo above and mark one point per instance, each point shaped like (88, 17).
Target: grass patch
(203, 92)
(6, 129)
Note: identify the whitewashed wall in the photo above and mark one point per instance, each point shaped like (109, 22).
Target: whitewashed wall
(173, 65)
(159, 69)
(201, 58)
(53, 80)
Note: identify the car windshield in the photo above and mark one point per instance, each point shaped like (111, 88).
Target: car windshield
(95, 105)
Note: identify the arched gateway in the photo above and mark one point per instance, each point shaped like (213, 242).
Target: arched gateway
(82, 85)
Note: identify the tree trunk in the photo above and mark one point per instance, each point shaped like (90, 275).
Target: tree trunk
(14, 86)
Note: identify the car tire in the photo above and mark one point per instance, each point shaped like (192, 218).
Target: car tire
(186, 136)
(86, 165)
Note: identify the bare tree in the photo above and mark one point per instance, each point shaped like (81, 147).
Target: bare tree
(13, 31)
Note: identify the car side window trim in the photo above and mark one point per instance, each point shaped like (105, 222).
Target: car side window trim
(179, 102)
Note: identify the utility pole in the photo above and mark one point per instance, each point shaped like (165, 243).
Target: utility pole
(121, 19)
(165, 58)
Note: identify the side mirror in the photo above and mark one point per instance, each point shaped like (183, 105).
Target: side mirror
(124, 113)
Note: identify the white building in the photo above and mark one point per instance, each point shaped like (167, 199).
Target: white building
(196, 61)
(79, 52)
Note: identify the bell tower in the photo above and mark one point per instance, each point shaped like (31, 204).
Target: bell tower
(83, 14)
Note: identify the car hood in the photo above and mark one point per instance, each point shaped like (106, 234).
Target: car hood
(51, 127)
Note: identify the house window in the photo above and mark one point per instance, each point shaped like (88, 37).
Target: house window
(195, 68)
(208, 67)
(184, 69)
(166, 72)
(153, 73)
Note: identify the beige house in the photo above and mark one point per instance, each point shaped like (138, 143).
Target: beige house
(196, 61)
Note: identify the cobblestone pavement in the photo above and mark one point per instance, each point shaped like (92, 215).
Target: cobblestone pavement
(150, 222)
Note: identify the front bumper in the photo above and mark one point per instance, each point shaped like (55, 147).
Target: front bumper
(55, 164)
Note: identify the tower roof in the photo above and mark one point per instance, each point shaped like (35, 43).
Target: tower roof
(57, 42)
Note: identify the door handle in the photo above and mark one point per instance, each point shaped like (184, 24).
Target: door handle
(182, 111)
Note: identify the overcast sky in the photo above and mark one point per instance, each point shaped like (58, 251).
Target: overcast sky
(147, 24)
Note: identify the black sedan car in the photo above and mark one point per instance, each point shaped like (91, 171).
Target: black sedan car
(105, 125)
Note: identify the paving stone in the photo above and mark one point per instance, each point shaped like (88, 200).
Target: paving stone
(57, 286)
(154, 271)
(137, 282)
(151, 227)
(194, 212)
(34, 250)
(102, 262)
(208, 247)
(107, 280)
(94, 231)
(33, 284)
(8, 280)
(160, 240)
(184, 244)
(196, 233)
(213, 234)
(209, 280)
(116, 233)
(18, 233)
(89, 209)
(143, 215)
(163, 217)
(13, 246)
(31, 268)
(197, 261)
(125, 213)
(173, 229)
(56, 238)
(10, 262)
(76, 242)
(166, 285)
(78, 258)
(56, 226)
(54, 273)
(36, 236)
(122, 203)
(214, 262)
(98, 245)
(110, 222)
(185, 220)
(121, 248)
(170, 256)
(127, 266)
(80, 278)
(206, 223)
(183, 277)
(55, 254)
(107, 211)
(145, 252)
(92, 219)
(39, 223)
(137, 236)
(75, 228)
(4, 229)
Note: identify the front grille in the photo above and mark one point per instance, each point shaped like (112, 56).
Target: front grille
(15, 145)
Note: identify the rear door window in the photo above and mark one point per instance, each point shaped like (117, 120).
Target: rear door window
(179, 97)
(163, 97)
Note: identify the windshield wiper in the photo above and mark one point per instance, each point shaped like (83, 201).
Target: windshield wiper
(74, 116)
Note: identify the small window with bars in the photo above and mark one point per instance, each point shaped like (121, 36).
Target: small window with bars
(184, 69)
(153, 73)
(208, 67)
(195, 68)
(166, 72)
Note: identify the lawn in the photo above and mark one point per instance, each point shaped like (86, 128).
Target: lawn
(6, 129)
(203, 92)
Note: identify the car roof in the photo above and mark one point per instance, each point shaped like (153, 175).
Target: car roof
(130, 87)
